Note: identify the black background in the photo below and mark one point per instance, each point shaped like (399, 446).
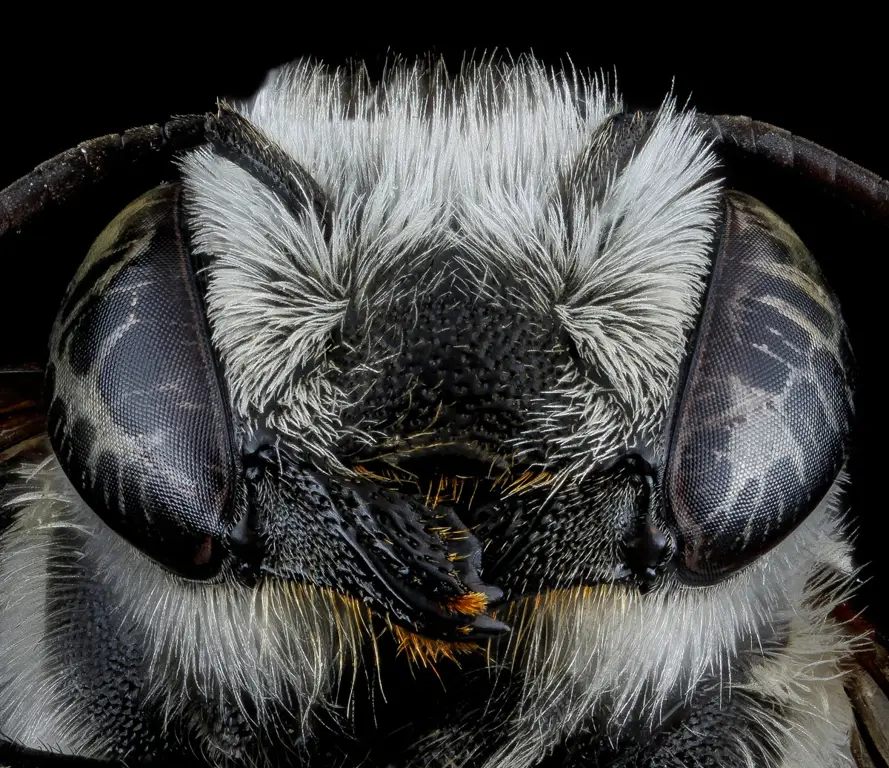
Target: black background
(829, 87)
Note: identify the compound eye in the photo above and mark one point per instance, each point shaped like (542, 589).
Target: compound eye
(137, 416)
(761, 428)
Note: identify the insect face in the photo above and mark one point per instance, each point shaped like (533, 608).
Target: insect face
(486, 371)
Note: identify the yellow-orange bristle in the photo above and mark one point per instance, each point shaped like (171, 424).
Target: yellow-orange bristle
(527, 481)
(383, 475)
(470, 604)
(426, 651)
(474, 489)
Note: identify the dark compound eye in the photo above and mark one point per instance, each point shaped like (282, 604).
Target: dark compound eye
(137, 416)
(761, 429)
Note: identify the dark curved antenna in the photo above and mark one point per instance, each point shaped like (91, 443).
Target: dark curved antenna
(235, 138)
(67, 175)
(70, 174)
(847, 180)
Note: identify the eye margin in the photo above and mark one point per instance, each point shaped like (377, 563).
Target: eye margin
(131, 363)
(760, 265)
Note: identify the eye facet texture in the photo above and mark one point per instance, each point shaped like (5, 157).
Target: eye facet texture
(761, 429)
(136, 414)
